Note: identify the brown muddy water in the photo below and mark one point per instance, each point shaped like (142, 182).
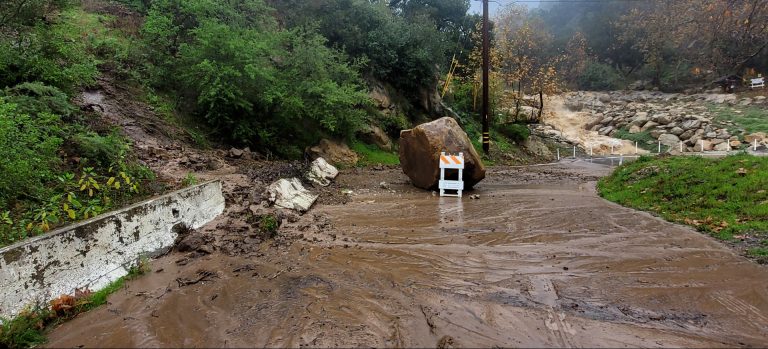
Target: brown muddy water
(538, 261)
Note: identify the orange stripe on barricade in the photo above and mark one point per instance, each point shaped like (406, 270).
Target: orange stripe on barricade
(456, 160)
(444, 160)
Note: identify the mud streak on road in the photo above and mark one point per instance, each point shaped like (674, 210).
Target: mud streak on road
(538, 260)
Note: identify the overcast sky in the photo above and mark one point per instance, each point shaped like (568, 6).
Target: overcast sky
(493, 6)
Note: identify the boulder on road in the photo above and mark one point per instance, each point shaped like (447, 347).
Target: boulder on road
(420, 149)
(290, 194)
(321, 172)
(335, 152)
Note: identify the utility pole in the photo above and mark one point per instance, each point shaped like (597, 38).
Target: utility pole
(486, 63)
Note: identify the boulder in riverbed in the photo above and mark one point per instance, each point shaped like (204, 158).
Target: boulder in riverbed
(420, 149)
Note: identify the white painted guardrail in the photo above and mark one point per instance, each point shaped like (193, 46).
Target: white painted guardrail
(93, 253)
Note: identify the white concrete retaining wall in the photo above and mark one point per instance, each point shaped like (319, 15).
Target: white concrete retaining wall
(93, 253)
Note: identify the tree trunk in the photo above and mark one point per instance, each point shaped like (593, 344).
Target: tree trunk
(541, 106)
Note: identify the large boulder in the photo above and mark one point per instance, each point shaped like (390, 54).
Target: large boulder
(335, 152)
(290, 194)
(420, 149)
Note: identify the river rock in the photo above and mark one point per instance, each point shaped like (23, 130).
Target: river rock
(656, 133)
(691, 124)
(640, 120)
(686, 135)
(676, 131)
(649, 125)
(634, 129)
(724, 146)
(335, 152)
(321, 172)
(290, 194)
(669, 140)
(606, 130)
(759, 136)
(420, 149)
(663, 119)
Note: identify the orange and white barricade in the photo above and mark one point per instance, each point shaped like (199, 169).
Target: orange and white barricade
(451, 162)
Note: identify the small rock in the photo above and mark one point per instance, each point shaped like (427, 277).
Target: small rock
(235, 153)
(384, 185)
(474, 197)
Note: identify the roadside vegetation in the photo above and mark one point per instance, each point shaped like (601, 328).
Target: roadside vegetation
(29, 328)
(59, 165)
(644, 139)
(726, 198)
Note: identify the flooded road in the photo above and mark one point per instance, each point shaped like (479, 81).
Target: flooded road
(538, 261)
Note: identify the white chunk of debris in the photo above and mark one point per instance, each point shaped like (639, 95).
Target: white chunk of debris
(321, 172)
(290, 194)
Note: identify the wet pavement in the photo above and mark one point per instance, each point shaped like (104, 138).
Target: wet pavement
(538, 261)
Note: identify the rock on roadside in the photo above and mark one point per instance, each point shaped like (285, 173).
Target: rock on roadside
(334, 152)
(420, 149)
(321, 172)
(290, 194)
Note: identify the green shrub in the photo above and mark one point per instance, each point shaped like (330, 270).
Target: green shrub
(268, 225)
(644, 139)
(28, 149)
(102, 150)
(251, 81)
(599, 77)
(516, 132)
(53, 53)
(35, 97)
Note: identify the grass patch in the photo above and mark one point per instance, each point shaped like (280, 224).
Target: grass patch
(644, 139)
(371, 155)
(29, 328)
(750, 119)
(722, 197)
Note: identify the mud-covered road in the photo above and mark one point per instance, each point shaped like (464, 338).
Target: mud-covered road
(538, 260)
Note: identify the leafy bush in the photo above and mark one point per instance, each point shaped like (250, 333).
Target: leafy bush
(35, 97)
(516, 132)
(402, 46)
(52, 53)
(104, 151)
(252, 82)
(28, 147)
(599, 77)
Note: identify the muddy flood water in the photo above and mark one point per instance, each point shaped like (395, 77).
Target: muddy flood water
(538, 261)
